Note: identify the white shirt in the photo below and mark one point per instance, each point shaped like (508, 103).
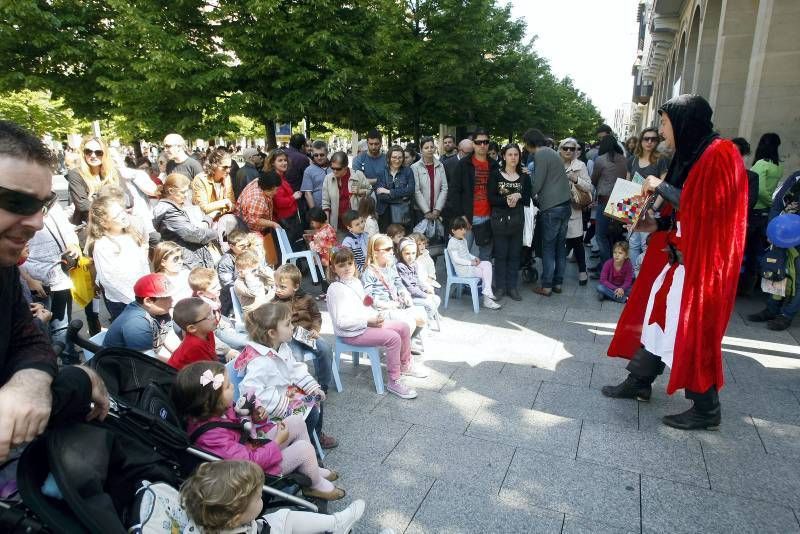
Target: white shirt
(119, 262)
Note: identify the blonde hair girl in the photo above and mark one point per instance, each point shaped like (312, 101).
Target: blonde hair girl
(95, 169)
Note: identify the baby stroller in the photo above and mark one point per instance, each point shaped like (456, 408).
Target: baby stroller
(84, 477)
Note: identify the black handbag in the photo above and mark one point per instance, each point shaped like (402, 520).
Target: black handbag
(482, 233)
(293, 226)
(507, 222)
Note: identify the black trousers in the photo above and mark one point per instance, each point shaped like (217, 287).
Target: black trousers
(646, 367)
(507, 252)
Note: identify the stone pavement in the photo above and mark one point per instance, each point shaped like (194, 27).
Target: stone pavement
(511, 434)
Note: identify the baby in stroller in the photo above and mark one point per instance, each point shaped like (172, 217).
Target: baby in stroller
(226, 497)
(203, 395)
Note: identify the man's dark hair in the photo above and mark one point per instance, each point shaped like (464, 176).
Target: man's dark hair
(297, 141)
(610, 146)
(374, 134)
(340, 158)
(742, 144)
(768, 148)
(604, 128)
(448, 136)
(269, 180)
(534, 137)
(319, 145)
(18, 143)
(479, 131)
(427, 139)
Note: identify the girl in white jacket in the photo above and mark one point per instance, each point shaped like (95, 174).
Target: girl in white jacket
(465, 264)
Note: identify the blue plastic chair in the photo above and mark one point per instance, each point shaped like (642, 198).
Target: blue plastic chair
(454, 280)
(374, 355)
(97, 339)
(288, 255)
(235, 379)
(238, 312)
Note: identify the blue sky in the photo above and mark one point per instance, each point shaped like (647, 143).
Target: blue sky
(591, 41)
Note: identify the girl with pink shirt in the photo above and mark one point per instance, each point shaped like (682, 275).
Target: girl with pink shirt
(616, 277)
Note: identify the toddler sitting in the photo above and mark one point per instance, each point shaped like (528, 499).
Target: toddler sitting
(255, 284)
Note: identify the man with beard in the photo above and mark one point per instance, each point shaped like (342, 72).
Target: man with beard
(27, 362)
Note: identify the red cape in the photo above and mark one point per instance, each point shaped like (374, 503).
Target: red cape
(713, 217)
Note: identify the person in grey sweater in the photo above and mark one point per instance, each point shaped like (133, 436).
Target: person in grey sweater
(550, 186)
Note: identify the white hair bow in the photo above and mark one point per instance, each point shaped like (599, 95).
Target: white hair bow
(208, 377)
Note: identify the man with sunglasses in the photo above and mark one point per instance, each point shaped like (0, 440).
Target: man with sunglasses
(179, 161)
(27, 362)
(314, 175)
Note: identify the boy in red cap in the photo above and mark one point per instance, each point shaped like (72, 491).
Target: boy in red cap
(145, 323)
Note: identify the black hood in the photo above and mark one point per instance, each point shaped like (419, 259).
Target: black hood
(693, 130)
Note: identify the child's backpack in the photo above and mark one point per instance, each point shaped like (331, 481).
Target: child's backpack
(773, 264)
(157, 509)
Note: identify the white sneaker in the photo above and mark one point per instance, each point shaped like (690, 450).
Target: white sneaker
(401, 390)
(489, 303)
(416, 371)
(348, 517)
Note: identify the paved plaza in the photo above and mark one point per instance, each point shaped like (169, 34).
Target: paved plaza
(511, 434)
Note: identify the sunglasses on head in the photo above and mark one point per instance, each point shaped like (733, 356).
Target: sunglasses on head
(89, 152)
(23, 203)
(481, 142)
(650, 139)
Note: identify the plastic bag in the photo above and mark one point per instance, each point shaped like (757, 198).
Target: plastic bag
(82, 283)
(530, 223)
(433, 230)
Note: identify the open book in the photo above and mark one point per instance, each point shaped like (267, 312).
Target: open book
(627, 202)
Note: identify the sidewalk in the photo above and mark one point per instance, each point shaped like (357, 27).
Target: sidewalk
(511, 434)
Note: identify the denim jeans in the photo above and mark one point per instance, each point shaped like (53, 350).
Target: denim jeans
(637, 242)
(485, 251)
(601, 234)
(232, 337)
(609, 293)
(322, 360)
(554, 223)
(60, 304)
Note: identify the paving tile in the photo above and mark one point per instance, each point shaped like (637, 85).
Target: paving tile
(604, 318)
(779, 438)
(392, 495)
(528, 429)
(586, 403)
(450, 508)
(364, 433)
(579, 525)
(680, 460)
(452, 457)
(558, 330)
(671, 507)
(589, 490)
(756, 475)
(451, 411)
(568, 371)
(488, 383)
(772, 404)
(758, 369)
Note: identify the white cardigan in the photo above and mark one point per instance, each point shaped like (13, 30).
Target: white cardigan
(422, 186)
(346, 306)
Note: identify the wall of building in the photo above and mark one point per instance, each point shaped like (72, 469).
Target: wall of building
(741, 55)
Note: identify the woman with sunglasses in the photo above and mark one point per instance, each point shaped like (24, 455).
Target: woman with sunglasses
(576, 172)
(645, 162)
(212, 191)
(342, 190)
(174, 221)
(96, 169)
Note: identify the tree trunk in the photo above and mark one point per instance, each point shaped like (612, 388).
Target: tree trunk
(137, 148)
(272, 140)
(308, 127)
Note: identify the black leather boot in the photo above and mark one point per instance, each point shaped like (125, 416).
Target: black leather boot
(644, 368)
(705, 413)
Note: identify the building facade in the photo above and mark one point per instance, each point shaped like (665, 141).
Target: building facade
(743, 56)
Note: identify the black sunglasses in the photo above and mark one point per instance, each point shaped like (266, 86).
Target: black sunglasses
(481, 142)
(568, 148)
(653, 139)
(336, 169)
(320, 155)
(23, 203)
(89, 152)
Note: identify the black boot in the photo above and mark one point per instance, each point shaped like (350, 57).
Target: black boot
(705, 413)
(644, 368)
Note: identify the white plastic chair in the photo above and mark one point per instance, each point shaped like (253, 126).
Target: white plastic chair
(288, 255)
(454, 280)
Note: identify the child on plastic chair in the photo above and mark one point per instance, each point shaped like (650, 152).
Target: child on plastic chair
(225, 497)
(359, 324)
(203, 395)
(465, 264)
(421, 295)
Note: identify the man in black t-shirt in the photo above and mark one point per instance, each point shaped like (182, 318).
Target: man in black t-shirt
(179, 161)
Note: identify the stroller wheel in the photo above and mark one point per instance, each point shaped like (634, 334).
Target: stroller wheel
(530, 275)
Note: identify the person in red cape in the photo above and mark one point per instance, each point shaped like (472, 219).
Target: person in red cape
(682, 300)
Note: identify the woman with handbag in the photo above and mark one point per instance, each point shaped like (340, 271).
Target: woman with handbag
(580, 185)
(394, 190)
(285, 199)
(509, 192)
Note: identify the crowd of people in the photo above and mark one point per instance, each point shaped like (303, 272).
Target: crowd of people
(185, 253)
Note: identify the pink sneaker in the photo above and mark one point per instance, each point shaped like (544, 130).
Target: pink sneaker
(401, 390)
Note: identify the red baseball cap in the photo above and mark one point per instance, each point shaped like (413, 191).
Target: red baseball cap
(153, 285)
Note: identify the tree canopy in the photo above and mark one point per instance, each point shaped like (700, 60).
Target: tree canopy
(227, 67)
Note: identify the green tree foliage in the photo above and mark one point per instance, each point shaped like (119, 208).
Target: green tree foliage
(38, 112)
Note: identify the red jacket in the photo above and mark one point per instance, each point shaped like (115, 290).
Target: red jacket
(284, 202)
(713, 217)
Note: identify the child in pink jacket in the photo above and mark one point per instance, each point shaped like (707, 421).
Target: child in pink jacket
(203, 394)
